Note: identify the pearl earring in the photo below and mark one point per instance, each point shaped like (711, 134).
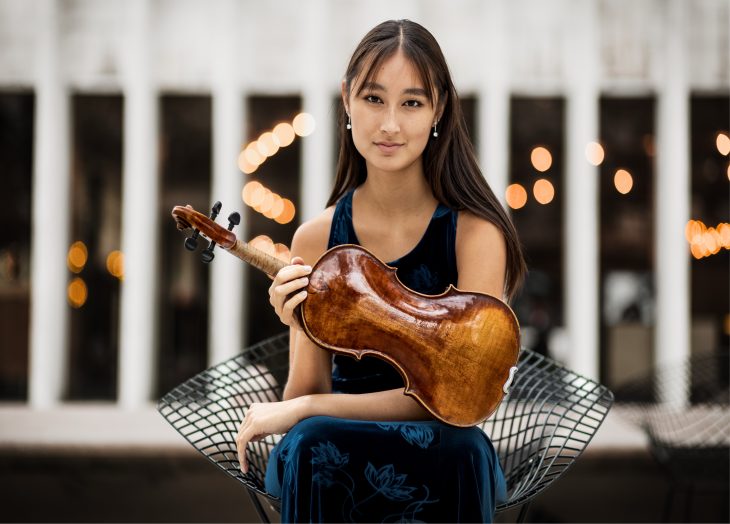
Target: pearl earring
(349, 122)
(435, 133)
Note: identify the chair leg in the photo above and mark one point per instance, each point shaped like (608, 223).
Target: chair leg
(523, 511)
(259, 508)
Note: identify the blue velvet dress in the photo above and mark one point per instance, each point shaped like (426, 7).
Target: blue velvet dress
(327, 469)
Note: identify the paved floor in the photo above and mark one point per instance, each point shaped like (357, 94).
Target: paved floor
(96, 465)
(183, 487)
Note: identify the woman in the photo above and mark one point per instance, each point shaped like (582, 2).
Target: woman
(356, 448)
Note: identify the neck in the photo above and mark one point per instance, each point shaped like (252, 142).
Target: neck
(395, 194)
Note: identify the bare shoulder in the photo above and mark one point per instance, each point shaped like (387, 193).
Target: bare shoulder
(311, 237)
(473, 229)
(481, 255)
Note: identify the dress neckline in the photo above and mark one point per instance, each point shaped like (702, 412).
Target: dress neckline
(440, 210)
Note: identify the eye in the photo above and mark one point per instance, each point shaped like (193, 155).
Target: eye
(413, 103)
(372, 99)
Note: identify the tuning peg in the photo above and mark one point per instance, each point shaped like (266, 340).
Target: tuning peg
(208, 254)
(216, 209)
(191, 243)
(233, 220)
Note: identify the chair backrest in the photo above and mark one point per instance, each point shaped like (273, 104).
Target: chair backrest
(541, 427)
(544, 424)
(684, 409)
(208, 408)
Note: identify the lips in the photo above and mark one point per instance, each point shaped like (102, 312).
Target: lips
(388, 147)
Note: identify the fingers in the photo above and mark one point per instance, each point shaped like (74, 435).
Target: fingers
(242, 439)
(286, 293)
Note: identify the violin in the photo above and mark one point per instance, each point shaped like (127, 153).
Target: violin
(457, 351)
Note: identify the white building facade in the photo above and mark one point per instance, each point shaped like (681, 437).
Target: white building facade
(578, 50)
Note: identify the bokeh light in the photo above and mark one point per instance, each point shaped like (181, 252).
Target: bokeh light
(722, 141)
(77, 293)
(267, 144)
(595, 153)
(244, 165)
(543, 191)
(77, 256)
(252, 155)
(115, 264)
(516, 196)
(303, 124)
(541, 159)
(623, 181)
(287, 215)
(284, 133)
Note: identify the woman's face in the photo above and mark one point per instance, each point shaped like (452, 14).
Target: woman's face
(392, 118)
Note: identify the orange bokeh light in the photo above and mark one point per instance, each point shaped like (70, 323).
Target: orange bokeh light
(287, 215)
(541, 159)
(595, 153)
(516, 196)
(623, 181)
(543, 191)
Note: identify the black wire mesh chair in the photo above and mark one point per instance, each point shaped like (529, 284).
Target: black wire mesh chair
(684, 409)
(538, 431)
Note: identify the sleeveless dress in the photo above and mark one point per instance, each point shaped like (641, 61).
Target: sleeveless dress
(328, 469)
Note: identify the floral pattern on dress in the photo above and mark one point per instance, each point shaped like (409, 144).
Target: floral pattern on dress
(415, 434)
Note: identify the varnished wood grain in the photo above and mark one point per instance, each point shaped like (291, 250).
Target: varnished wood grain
(454, 350)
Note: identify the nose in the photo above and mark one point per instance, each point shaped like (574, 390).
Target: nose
(389, 125)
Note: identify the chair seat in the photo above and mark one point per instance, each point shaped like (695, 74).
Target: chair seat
(540, 428)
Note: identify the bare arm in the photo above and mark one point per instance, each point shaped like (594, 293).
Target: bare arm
(481, 257)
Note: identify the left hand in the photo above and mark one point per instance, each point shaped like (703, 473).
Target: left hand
(264, 419)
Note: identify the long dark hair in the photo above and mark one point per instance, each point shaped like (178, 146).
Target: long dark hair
(449, 161)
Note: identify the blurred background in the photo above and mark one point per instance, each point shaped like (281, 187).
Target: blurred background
(603, 125)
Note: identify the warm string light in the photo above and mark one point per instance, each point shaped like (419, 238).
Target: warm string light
(623, 181)
(543, 191)
(77, 256)
(268, 203)
(541, 159)
(115, 264)
(595, 153)
(705, 241)
(722, 141)
(77, 292)
(516, 196)
(268, 143)
(265, 244)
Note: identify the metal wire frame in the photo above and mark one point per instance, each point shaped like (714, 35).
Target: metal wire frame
(538, 431)
(684, 409)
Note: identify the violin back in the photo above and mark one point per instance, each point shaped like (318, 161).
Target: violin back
(455, 351)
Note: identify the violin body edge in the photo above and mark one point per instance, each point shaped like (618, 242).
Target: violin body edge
(446, 403)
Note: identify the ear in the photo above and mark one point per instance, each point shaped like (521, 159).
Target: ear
(441, 106)
(345, 96)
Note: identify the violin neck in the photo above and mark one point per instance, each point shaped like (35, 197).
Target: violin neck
(257, 258)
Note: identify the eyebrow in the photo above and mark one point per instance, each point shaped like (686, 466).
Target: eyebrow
(410, 91)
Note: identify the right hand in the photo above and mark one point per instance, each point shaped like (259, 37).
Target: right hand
(287, 290)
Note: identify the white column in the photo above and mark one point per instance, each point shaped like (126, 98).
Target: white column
(581, 275)
(226, 304)
(140, 208)
(672, 340)
(51, 218)
(317, 162)
(494, 100)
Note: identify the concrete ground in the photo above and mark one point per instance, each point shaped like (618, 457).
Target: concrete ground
(58, 477)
